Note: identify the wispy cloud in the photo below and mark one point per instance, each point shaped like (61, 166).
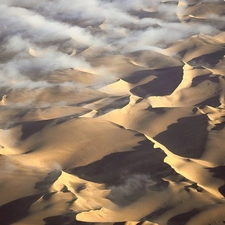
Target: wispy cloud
(131, 190)
(38, 37)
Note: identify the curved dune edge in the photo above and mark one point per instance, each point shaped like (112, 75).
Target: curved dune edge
(112, 113)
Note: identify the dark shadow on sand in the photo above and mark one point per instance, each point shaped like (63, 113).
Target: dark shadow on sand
(66, 219)
(114, 168)
(48, 181)
(117, 104)
(154, 215)
(187, 137)
(207, 60)
(219, 172)
(213, 101)
(17, 209)
(128, 174)
(32, 127)
(165, 83)
(183, 218)
(199, 79)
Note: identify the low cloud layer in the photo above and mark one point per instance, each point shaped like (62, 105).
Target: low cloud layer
(38, 37)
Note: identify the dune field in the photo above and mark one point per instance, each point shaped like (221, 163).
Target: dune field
(112, 112)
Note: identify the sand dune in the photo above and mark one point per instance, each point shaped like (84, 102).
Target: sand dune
(112, 112)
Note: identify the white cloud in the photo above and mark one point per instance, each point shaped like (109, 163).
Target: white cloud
(130, 190)
(43, 29)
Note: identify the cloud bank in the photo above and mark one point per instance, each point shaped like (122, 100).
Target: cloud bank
(38, 37)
